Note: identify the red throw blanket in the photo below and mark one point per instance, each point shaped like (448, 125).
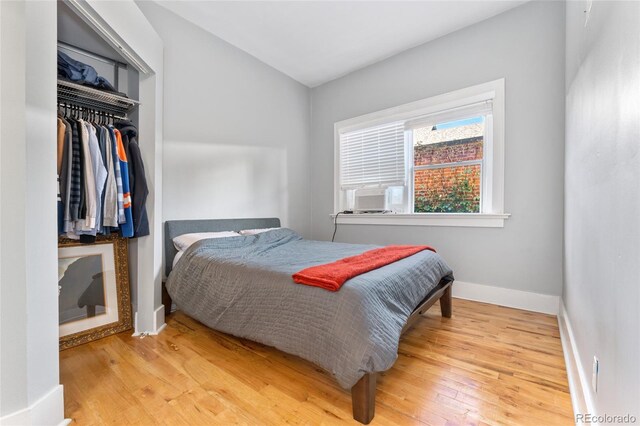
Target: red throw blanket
(331, 276)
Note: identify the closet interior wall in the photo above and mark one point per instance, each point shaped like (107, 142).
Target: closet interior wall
(78, 40)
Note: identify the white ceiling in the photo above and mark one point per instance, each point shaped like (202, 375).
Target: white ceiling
(318, 41)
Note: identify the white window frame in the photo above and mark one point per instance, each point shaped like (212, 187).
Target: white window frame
(492, 210)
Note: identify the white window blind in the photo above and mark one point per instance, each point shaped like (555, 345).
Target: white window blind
(373, 156)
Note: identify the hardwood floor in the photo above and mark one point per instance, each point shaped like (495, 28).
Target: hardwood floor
(487, 365)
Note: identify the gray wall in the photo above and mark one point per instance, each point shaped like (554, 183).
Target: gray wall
(236, 131)
(526, 47)
(28, 273)
(602, 202)
(74, 31)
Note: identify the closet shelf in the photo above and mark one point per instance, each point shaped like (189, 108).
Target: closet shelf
(87, 97)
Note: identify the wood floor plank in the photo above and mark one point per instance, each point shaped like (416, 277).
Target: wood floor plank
(487, 365)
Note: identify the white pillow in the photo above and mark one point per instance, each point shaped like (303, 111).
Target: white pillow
(177, 257)
(255, 231)
(182, 242)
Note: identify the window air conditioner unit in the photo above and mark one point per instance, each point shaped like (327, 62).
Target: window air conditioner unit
(372, 200)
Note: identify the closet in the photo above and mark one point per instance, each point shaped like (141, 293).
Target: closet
(102, 231)
(102, 186)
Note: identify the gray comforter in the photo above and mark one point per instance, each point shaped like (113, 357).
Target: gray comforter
(243, 286)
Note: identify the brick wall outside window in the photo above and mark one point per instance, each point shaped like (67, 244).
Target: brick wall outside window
(448, 189)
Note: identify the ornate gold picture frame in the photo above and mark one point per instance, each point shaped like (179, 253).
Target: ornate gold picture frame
(93, 288)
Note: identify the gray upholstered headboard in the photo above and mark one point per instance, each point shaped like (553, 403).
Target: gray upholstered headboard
(174, 228)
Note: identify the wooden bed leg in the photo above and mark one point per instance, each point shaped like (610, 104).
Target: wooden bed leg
(445, 302)
(166, 299)
(363, 398)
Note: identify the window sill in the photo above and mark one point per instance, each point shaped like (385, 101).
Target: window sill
(479, 220)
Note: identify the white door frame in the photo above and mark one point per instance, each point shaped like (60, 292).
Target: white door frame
(123, 26)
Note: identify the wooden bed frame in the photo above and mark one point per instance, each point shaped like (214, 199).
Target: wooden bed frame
(363, 393)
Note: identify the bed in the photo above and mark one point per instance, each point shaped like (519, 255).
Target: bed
(243, 286)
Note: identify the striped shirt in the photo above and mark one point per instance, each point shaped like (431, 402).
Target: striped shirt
(75, 184)
(112, 136)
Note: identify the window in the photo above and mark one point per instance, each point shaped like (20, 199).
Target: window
(436, 161)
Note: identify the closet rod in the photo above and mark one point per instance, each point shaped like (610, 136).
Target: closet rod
(97, 107)
(75, 107)
(91, 108)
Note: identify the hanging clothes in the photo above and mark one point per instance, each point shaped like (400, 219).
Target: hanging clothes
(60, 156)
(65, 177)
(126, 228)
(99, 168)
(89, 180)
(110, 203)
(76, 187)
(99, 174)
(82, 209)
(118, 174)
(137, 179)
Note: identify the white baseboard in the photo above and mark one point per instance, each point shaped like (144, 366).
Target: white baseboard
(158, 320)
(158, 323)
(579, 386)
(536, 302)
(48, 410)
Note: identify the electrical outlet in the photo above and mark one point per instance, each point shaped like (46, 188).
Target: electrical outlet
(594, 374)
